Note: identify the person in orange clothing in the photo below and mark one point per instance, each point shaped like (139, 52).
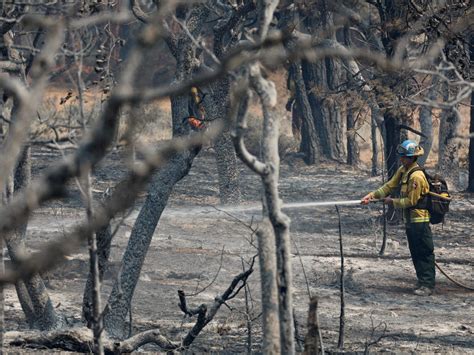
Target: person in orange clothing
(414, 188)
(196, 110)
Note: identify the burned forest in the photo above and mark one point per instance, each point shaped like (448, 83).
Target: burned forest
(237, 176)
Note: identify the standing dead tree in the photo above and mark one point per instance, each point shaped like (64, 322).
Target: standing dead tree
(32, 293)
(268, 169)
(119, 303)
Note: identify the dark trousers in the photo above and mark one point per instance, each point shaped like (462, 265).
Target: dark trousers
(420, 242)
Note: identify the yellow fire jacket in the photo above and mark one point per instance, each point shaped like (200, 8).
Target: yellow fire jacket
(410, 193)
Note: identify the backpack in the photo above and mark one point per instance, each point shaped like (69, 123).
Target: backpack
(437, 200)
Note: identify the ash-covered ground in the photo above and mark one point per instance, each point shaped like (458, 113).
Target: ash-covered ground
(200, 246)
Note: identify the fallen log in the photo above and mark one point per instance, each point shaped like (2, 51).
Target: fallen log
(82, 340)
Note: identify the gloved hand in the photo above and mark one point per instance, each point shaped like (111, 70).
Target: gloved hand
(388, 200)
(367, 198)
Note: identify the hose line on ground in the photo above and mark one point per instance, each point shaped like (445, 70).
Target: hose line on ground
(453, 280)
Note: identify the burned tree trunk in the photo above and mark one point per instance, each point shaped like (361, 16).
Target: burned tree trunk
(352, 147)
(313, 345)
(392, 139)
(161, 186)
(321, 79)
(217, 108)
(32, 294)
(325, 112)
(104, 240)
(310, 142)
(393, 16)
(448, 154)
(426, 123)
(375, 148)
(470, 187)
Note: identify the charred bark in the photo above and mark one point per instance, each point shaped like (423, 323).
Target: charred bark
(375, 148)
(352, 146)
(392, 139)
(448, 154)
(310, 142)
(32, 294)
(160, 188)
(217, 108)
(426, 123)
(470, 187)
(321, 79)
(313, 76)
(312, 345)
(104, 240)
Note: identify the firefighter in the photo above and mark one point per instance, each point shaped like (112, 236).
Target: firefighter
(196, 111)
(413, 188)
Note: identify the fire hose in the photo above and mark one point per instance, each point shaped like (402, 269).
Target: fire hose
(358, 202)
(457, 283)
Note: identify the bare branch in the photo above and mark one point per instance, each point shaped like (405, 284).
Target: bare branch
(204, 317)
(9, 66)
(121, 16)
(239, 108)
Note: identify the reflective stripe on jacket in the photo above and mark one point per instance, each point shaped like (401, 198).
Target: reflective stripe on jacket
(410, 193)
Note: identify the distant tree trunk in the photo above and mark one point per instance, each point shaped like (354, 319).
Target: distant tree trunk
(448, 154)
(104, 240)
(321, 79)
(470, 187)
(393, 15)
(426, 123)
(217, 107)
(325, 118)
(337, 125)
(310, 142)
(228, 172)
(352, 147)
(375, 147)
(391, 142)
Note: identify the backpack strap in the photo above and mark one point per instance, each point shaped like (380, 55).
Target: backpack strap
(416, 168)
(422, 203)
